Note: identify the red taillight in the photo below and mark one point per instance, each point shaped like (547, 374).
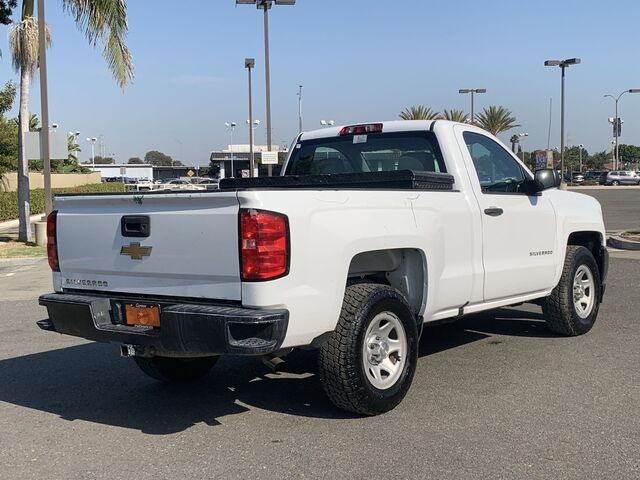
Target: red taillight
(52, 241)
(264, 245)
(361, 129)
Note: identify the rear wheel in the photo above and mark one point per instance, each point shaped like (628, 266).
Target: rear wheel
(615, 183)
(368, 363)
(572, 307)
(170, 369)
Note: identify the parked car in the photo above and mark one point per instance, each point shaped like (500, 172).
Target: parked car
(620, 177)
(210, 183)
(574, 177)
(349, 254)
(593, 175)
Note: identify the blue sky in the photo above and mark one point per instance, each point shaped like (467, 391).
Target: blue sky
(358, 60)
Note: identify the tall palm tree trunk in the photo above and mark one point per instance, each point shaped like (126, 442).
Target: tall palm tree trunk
(24, 193)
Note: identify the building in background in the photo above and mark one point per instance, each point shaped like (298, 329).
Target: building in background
(112, 170)
(241, 160)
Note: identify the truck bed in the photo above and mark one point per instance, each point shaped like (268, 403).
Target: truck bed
(395, 180)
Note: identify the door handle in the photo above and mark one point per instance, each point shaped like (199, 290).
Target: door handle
(135, 226)
(493, 211)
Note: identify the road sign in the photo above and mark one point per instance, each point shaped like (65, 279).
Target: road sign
(190, 173)
(58, 145)
(269, 158)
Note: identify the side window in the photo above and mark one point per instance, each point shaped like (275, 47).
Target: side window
(497, 170)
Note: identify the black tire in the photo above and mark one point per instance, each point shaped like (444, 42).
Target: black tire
(615, 183)
(340, 362)
(170, 369)
(559, 308)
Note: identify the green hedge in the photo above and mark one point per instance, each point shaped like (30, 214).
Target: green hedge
(9, 200)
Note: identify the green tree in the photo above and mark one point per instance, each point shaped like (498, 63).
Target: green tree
(629, 154)
(496, 119)
(455, 115)
(102, 21)
(73, 148)
(8, 130)
(6, 8)
(100, 160)
(598, 160)
(160, 159)
(572, 157)
(515, 140)
(135, 161)
(419, 112)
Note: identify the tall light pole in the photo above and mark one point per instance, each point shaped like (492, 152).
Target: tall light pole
(522, 136)
(472, 91)
(92, 141)
(299, 108)
(249, 63)
(562, 64)
(230, 126)
(265, 5)
(580, 147)
(617, 124)
(44, 107)
(252, 127)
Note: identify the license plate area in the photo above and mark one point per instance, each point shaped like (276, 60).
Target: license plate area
(141, 314)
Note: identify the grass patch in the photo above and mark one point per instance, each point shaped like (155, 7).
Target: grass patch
(13, 249)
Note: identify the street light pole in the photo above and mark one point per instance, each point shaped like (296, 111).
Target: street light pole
(300, 109)
(580, 155)
(230, 126)
(265, 5)
(617, 124)
(44, 107)
(522, 136)
(92, 141)
(472, 91)
(562, 64)
(249, 63)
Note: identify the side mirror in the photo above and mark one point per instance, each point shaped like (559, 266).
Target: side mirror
(546, 178)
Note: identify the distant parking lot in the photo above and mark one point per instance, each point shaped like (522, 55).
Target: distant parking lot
(620, 205)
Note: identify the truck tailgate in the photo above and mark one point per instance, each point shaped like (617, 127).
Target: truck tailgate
(190, 250)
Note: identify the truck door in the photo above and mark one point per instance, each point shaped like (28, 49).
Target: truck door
(518, 230)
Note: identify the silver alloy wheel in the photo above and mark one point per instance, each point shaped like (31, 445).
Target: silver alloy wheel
(583, 291)
(384, 350)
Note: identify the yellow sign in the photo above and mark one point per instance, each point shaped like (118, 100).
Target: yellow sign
(191, 173)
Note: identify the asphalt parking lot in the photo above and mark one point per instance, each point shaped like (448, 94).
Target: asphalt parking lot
(495, 396)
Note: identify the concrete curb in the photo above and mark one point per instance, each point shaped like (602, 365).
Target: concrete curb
(13, 224)
(604, 187)
(13, 262)
(622, 243)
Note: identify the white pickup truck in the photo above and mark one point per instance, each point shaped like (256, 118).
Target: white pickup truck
(372, 231)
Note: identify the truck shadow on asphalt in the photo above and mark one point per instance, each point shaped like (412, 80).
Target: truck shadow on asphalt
(90, 382)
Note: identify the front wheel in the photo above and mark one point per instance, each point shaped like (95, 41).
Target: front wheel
(572, 307)
(171, 369)
(615, 183)
(368, 363)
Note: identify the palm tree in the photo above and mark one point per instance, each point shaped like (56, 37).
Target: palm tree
(455, 115)
(73, 148)
(515, 139)
(419, 112)
(103, 22)
(496, 119)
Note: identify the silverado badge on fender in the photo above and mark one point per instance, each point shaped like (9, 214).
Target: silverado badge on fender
(135, 251)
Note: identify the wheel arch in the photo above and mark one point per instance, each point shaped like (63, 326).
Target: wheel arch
(405, 269)
(592, 240)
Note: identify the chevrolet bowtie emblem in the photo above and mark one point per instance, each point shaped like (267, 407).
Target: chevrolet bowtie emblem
(135, 251)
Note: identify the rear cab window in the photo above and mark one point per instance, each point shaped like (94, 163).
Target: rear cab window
(374, 152)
